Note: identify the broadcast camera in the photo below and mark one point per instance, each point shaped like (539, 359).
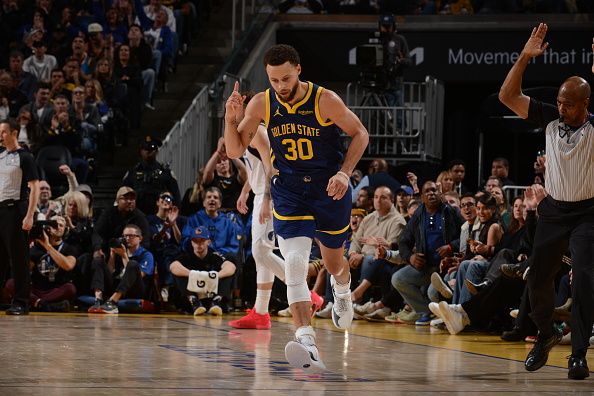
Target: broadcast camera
(377, 64)
(39, 226)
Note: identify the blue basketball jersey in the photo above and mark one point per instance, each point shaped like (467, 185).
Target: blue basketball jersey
(301, 142)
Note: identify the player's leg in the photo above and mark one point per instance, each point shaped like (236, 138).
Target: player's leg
(303, 352)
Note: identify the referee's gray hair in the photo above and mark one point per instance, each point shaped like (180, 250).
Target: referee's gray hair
(12, 123)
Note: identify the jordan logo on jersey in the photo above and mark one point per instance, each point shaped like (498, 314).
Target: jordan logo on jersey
(277, 112)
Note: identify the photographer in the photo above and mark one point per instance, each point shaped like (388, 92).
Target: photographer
(128, 272)
(396, 59)
(18, 201)
(51, 262)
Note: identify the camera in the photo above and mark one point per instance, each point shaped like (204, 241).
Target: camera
(39, 226)
(117, 242)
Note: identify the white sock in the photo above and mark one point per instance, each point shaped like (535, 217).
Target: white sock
(340, 288)
(262, 299)
(306, 335)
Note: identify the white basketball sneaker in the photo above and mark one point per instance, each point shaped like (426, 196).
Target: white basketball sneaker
(305, 357)
(342, 311)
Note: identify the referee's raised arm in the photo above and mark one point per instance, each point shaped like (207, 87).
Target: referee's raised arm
(510, 93)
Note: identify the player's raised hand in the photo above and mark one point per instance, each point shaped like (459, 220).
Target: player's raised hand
(535, 46)
(234, 106)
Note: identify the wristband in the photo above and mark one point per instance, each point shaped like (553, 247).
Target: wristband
(345, 175)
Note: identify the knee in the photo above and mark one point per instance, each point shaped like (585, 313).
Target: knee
(260, 248)
(296, 269)
(69, 291)
(397, 280)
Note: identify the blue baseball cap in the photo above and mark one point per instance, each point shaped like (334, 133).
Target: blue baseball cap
(386, 20)
(407, 190)
(200, 232)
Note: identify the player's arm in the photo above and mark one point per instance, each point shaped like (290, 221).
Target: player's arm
(510, 93)
(333, 108)
(241, 124)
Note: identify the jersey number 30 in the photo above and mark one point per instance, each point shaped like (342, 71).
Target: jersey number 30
(298, 149)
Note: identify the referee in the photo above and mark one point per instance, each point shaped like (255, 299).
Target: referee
(18, 181)
(566, 215)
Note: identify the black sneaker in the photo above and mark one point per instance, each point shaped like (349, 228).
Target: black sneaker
(95, 308)
(578, 368)
(197, 307)
(215, 307)
(539, 354)
(108, 308)
(514, 335)
(17, 310)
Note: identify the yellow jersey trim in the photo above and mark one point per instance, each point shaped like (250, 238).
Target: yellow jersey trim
(293, 109)
(335, 232)
(267, 100)
(317, 109)
(280, 217)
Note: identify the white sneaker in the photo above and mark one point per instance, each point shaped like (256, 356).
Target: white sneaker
(379, 315)
(305, 357)
(342, 311)
(285, 313)
(434, 308)
(439, 285)
(566, 339)
(514, 313)
(165, 294)
(364, 309)
(325, 313)
(454, 317)
(591, 341)
(437, 323)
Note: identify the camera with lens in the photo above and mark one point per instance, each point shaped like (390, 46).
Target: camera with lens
(39, 226)
(117, 242)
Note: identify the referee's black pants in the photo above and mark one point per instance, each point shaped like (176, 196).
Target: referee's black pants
(563, 225)
(15, 243)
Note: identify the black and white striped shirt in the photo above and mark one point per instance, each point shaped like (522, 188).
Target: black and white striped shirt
(569, 172)
(17, 168)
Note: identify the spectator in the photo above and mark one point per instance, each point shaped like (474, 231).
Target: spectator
(58, 83)
(377, 175)
(430, 235)
(219, 172)
(201, 258)
(128, 272)
(365, 199)
(87, 116)
(40, 64)
(30, 132)
(166, 226)
(40, 108)
(52, 261)
(223, 232)
(445, 182)
(149, 177)
(79, 221)
(403, 196)
(492, 181)
(159, 36)
(45, 206)
(500, 169)
(383, 227)
(15, 98)
(142, 54)
(452, 198)
(99, 47)
(502, 208)
(22, 79)
(73, 76)
(457, 168)
(113, 219)
(128, 74)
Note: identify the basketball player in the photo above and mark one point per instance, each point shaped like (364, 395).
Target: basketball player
(311, 192)
(257, 163)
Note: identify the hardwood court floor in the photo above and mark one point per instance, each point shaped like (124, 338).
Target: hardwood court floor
(79, 354)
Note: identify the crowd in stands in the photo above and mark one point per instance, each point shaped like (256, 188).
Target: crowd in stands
(432, 7)
(78, 75)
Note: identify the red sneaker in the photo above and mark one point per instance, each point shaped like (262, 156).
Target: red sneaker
(316, 302)
(252, 320)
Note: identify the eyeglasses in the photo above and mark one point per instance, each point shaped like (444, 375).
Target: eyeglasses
(467, 205)
(130, 236)
(166, 197)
